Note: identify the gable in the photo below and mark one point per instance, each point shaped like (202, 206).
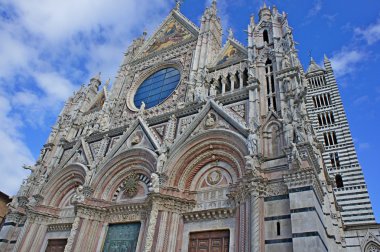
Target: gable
(97, 103)
(232, 52)
(211, 117)
(174, 31)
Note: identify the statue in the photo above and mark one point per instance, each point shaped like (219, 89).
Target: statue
(212, 90)
(295, 155)
(154, 185)
(210, 120)
(13, 204)
(199, 92)
(78, 195)
(162, 158)
(230, 33)
(252, 142)
(142, 109)
(285, 62)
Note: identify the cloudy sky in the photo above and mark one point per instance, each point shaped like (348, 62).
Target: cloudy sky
(48, 48)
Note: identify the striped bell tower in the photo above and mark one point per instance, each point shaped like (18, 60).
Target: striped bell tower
(325, 108)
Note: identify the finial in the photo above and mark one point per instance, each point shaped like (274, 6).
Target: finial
(252, 19)
(310, 56)
(325, 57)
(213, 4)
(265, 5)
(178, 4)
(230, 33)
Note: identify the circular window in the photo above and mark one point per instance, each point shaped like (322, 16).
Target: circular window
(157, 87)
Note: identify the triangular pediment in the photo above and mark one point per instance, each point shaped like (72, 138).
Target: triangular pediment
(212, 116)
(79, 153)
(175, 30)
(137, 136)
(230, 53)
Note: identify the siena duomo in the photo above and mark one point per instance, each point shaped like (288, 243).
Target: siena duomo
(200, 145)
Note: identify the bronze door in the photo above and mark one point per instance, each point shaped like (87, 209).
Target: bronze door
(56, 245)
(211, 241)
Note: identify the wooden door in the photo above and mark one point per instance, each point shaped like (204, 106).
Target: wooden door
(56, 245)
(210, 241)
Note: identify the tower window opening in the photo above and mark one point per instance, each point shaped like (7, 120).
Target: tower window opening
(332, 117)
(266, 36)
(315, 103)
(319, 120)
(324, 119)
(334, 138)
(278, 228)
(270, 85)
(334, 159)
(339, 181)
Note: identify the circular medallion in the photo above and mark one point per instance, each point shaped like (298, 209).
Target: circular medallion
(214, 177)
(157, 87)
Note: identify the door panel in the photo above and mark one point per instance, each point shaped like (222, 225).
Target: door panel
(56, 245)
(211, 241)
(122, 237)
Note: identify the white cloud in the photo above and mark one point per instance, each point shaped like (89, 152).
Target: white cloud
(13, 151)
(315, 9)
(48, 48)
(364, 146)
(345, 61)
(371, 33)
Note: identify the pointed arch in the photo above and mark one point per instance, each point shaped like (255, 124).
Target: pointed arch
(197, 152)
(62, 183)
(272, 139)
(110, 176)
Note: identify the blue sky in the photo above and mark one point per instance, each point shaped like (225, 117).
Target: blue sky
(49, 48)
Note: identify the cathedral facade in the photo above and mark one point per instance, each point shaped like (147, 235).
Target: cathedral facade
(200, 145)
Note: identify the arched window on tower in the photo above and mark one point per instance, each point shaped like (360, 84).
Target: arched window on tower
(339, 181)
(271, 88)
(266, 36)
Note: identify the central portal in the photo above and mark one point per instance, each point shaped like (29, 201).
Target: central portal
(210, 241)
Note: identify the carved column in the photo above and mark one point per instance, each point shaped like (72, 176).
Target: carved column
(73, 233)
(256, 225)
(151, 227)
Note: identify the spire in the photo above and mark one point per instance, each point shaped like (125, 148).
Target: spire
(313, 66)
(214, 8)
(325, 58)
(252, 20)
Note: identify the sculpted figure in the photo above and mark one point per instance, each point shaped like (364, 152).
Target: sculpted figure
(210, 121)
(155, 183)
(78, 195)
(199, 92)
(285, 62)
(142, 108)
(252, 142)
(212, 90)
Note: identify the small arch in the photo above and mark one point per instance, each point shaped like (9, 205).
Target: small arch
(265, 36)
(245, 77)
(339, 181)
(237, 82)
(228, 83)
